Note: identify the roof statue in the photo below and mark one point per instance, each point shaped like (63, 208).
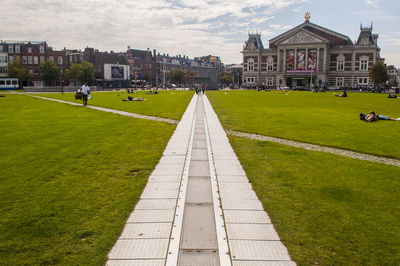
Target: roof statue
(307, 16)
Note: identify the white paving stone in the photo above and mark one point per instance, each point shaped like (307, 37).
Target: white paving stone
(252, 232)
(258, 250)
(156, 204)
(151, 216)
(139, 249)
(146, 230)
(247, 217)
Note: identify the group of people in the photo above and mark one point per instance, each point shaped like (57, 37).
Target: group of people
(200, 89)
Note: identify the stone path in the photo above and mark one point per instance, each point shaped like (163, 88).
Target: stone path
(198, 207)
(155, 118)
(313, 147)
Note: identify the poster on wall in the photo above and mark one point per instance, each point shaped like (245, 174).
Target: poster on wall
(117, 72)
(301, 62)
(312, 59)
(290, 60)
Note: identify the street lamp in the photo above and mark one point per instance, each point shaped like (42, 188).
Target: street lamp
(61, 81)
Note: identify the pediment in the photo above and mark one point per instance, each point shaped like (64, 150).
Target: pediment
(302, 36)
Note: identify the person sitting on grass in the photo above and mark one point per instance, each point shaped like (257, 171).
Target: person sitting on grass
(374, 117)
(344, 94)
(392, 96)
(130, 99)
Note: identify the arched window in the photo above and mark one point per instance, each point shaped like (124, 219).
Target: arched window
(270, 63)
(250, 64)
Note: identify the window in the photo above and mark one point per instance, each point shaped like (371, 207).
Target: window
(30, 71)
(36, 71)
(250, 65)
(17, 49)
(41, 59)
(51, 58)
(30, 60)
(60, 60)
(250, 79)
(363, 81)
(270, 81)
(29, 50)
(24, 59)
(339, 82)
(1, 48)
(35, 60)
(3, 59)
(364, 63)
(10, 58)
(10, 49)
(270, 64)
(340, 64)
(3, 70)
(41, 49)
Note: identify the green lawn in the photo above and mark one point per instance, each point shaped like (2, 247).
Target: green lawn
(168, 104)
(69, 177)
(318, 118)
(327, 209)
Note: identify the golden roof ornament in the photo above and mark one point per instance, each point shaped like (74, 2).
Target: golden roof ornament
(307, 16)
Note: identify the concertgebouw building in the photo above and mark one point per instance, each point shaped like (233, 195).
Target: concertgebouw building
(310, 54)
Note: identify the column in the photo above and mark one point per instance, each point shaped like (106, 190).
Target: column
(284, 60)
(306, 59)
(278, 61)
(317, 68)
(325, 58)
(295, 59)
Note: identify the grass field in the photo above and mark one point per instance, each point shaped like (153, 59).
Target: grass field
(168, 104)
(327, 209)
(69, 177)
(318, 118)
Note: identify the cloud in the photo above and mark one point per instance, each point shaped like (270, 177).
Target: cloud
(280, 27)
(373, 3)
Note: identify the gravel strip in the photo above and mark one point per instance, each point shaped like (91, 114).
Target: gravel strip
(313, 147)
(154, 118)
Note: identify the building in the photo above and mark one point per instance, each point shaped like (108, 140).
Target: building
(32, 54)
(236, 70)
(142, 64)
(3, 62)
(105, 63)
(393, 74)
(310, 55)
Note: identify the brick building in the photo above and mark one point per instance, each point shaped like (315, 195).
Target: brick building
(142, 64)
(32, 54)
(310, 54)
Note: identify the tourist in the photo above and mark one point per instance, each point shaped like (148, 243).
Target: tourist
(344, 94)
(85, 93)
(130, 99)
(203, 88)
(374, 117)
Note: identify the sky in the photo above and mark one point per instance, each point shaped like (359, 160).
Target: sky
(191, 27)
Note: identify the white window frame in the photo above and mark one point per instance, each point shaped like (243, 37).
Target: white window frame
(250, 62)
(41, 49)
(340, 63)
(270, 81)
(24, 59)
(29, 50)
(60, 60)
(339, 82)
(250, 80)
(364, 61)
(42, 59)
(364, 81)
(30, 60)
(270, 63)
(11, 49)
(17, 49)
(51, 58)
(10, 58)
(35, 60)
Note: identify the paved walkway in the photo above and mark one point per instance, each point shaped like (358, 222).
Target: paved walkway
(313, 147)
(198, 207)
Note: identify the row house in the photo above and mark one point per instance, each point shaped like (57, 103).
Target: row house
(142, 64)
(311, 55)
(32, 54)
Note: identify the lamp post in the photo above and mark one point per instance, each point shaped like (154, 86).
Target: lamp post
(135, 81)
(61, 81)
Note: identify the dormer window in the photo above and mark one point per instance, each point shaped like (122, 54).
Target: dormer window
(17, 49)
(10, 49)
(41, 49)
(29, 50)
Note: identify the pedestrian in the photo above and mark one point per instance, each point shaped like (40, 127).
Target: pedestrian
(85, 93)
(203, 88)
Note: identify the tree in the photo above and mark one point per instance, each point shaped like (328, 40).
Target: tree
(226, 79)
(188, 75)
(82, 72)
(177, 75)
(49, 72)
(17, 70)
(378, 73)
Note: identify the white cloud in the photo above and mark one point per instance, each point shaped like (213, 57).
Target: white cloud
(373, 3)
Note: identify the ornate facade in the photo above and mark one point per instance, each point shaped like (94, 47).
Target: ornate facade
(310, 55)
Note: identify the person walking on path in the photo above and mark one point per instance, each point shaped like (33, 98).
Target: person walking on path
(203, 88)
(85, 93)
